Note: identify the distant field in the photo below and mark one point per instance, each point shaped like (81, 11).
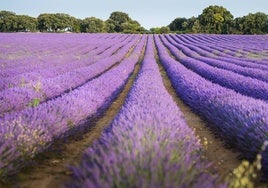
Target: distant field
(57, 86)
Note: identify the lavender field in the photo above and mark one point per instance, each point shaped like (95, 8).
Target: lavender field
(54, 86)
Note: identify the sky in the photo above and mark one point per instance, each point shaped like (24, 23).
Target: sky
(149, 13)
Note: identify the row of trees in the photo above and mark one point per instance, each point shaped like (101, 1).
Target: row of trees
(214, 19)
(59, 22)
(217, 19)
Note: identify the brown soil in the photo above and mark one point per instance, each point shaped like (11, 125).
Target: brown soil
(50, 169)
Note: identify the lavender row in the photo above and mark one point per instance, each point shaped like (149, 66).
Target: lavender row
(248, 51)
(29, 73)
(47, 44)
(17, 48)
(246, 42)
(241, 121)
(26, 133)
(239, 53)
(233, 48)
(16, 99)
(242, 84)
(34, 66)
(148, 144)
(14, 76)
(222, 56)
(227, 49)
(192, 51)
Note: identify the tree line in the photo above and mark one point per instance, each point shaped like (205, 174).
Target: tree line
(213, 19)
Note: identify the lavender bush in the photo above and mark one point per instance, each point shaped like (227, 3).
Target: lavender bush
(242, 84)
(195, 52)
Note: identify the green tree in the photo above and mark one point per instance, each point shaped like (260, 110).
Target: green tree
(160, 30)
(93, 25)
(8, 22)
(62, 22)
(118, 19)
(122, 23)
(255, 23)
(26, 23)
(131, 26)
(196, 28)
(155, 30)
(193, 25)
(76, 24)
(110, 26)
(215, 19)
(178, 24)
(55, 22)
(45, 22)
(164, 30)
(237, 26)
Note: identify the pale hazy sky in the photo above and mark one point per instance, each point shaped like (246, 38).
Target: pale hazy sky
(149, 13)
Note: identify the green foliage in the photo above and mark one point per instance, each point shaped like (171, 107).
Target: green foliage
(26, 23)
(7, 21)
(35, 102)
(130, 27)
(118, 19)
(110, 26)
(251, 24)
(10, 22)
(120, 22)
(93, 25)
(56, 22)
(160, 30)
(215, 19)
(255, 23)
(179, 24)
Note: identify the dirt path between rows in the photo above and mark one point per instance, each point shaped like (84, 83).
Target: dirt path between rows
(224, 160)
(49, 169)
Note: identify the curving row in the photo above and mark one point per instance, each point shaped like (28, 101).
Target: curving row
(241, 121)
(244, 50)
(199, 54)
(148, 144)
(24, 134)
(209, 50)
(30, 95)
(243, 84)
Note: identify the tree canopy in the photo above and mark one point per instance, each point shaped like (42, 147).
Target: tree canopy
(213, 19)
(93, 25)
(120, 22)
(10, 22)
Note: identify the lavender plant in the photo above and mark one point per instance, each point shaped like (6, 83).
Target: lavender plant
(242, 84)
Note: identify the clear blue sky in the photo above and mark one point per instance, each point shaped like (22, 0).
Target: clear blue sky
(149, 13)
